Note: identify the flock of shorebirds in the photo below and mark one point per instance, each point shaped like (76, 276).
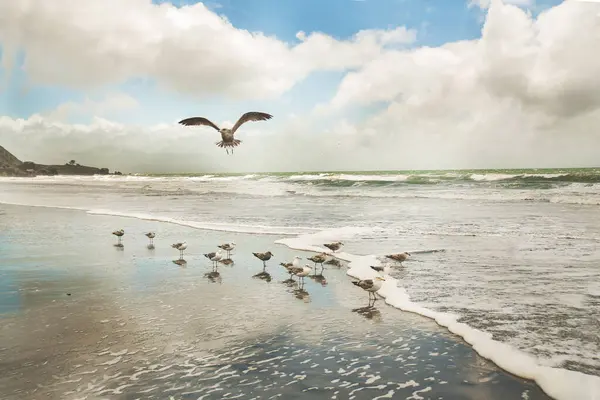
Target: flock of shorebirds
(294, 268)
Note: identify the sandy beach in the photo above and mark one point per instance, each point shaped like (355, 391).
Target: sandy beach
(83, 319)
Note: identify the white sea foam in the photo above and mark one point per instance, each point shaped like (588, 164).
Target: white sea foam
(264, 185)
(561, 384)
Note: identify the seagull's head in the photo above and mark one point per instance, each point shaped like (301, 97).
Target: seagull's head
(269, 253)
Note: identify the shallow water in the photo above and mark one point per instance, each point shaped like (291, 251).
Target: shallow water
(82, 318)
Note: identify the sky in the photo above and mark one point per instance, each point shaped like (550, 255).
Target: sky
(351, 84)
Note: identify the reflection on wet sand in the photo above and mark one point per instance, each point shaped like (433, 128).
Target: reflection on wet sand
(320, 279)
(227, 261)
(181, 262)
(214, 276)
(369, 312)
(264, 275)
(135, 329)
(302, 294)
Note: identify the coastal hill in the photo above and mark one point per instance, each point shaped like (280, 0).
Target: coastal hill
(12, 166)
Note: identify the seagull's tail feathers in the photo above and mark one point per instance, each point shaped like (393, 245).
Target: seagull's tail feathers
(378, 269)
(233, 143)
(357, 283)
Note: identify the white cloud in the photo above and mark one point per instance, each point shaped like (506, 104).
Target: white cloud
(89, 43)
(111, 105)
(484, 4)
(526, 94)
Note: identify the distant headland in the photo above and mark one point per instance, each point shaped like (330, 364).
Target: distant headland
(12, 166)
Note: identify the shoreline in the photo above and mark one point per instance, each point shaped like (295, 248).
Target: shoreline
(343, 284)
(554, 381)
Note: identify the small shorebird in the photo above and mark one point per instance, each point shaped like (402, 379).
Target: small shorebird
(301, 272)
(119, 234)
(290, 266)
(181, 247)
(335, 246)
(214, 257)
(400, 257)
(318, 259)
(151, 236)
(227, 247)
(228, 141)
(371, 286)
(385, 269)
(264, 257)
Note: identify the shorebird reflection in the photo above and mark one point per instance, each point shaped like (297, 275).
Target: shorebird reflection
(214, 277)
(302, 294)
(369, 312)
(265, 276)
(227, 261)
(181, 262)
(320, 278)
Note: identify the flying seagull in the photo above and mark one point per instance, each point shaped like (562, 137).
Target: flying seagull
(227, 134)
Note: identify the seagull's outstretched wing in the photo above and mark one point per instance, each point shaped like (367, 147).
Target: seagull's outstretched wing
(251, 116)
(197, 121)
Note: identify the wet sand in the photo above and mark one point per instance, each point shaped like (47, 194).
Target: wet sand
(83, 319)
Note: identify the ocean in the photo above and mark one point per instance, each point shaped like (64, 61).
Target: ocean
(507, 259)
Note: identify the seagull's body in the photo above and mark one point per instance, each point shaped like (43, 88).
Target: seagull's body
(227, 135)
(214, 257)
(227, 247)
(318, 259)
(301, 272)
(119, 234)
(400, 257)
(371, 286)
(151, 236)
(290, 266)
(264, 257)
(335, 246)
(181, 246)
